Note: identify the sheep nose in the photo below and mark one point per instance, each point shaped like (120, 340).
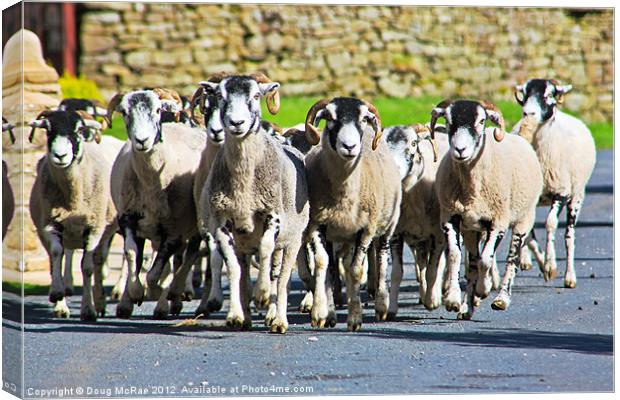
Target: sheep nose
(216, 131)
(60, 156)
(141, 141)
(348, 147)
(460, 150)
(236, 123)
(528, 113)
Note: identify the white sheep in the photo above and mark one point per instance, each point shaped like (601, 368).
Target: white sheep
(71, 207)
(487, 183)
(254, 201)
(567, 155)
(355, 195)
(152, 183)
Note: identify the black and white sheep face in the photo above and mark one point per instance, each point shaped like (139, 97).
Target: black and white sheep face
(141, 111)
(74, 104)
(213, 121)
(346, 119)
(465, 124)
(239, 103)
(66, 131)
(539, 98)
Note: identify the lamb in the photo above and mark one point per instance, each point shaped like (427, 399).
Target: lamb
(355, 196)
(567, 155)
(71, 207)
(152, 185)
(416, 155)
(8, 198)
(487, 183)
(255, 200)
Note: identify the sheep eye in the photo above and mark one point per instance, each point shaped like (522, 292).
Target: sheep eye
(256, 96)
(481, 122)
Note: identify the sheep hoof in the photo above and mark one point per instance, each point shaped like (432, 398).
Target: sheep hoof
(56, 295)
(188, 295)
(279, 326)
(354, 326)
(124, 310)
(550, 273)
(477, 301)
(306, 303)
(214, 305)
(116, 294)
(61, 311)
(501, 302)
(176, 307)
(380, 315)
(261, 300)
(235, 322)
(391, 316)
(570, 284)
(466, 316)
(452, 300)
(88, 315)
(160, 314)
(68, 290)
(526, 266)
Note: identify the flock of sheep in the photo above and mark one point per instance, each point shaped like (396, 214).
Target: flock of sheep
(334, 203)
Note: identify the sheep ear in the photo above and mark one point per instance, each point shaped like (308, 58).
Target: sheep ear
(268, 87)
(40, 124)
(563, 89)
(210, 87)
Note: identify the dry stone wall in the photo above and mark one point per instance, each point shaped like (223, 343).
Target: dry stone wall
(350, 50)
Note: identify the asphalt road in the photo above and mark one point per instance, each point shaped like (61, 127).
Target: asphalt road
(550, 340)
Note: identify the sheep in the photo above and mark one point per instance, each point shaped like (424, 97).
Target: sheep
(8, 198)
(71, 207)
(152, 185)
(416, 155)
(567, 155)
(488, 182)
(297, 138)
(355, 196)
(212, 298)
(255, 200)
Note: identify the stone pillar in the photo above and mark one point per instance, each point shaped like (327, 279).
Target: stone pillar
(25, 93)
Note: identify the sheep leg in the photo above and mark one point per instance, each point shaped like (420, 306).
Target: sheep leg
(396, 250)
(471, 240)
(354, 277)
(197, 273)
(382, 300)
(52, 238)
(188, 292)
(572, 213)
(215, 297)
(67, 276)
(87, 309)
(551, 226)
(119, 287)
(100, 258)
(421, 263)
(532, 246)
(484, 283)
(320, 310)
(305, 268)
(265, 251)
(180, 280)
(434, 275)
(495, 277)
(502, 301)
(276, 268)
(225, 244)
(371, 285)
(206, 292)
(246, 289)
(333, 290)
(452, 294)
(280, 324)
(134, 253)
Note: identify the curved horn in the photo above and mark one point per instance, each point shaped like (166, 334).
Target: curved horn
(272, 99)
(438, 111)
(312, 134)
(38, 123)
(560, 90)
(376, 124)
(218, 77)
(495, 115)
(197, 100)
(112, 107)
(518, 93)
(424, 133)
(168, 95)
